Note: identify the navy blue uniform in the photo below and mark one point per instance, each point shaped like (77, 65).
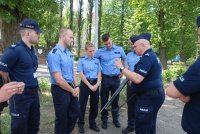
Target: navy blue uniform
(189, 85)
(65, 104)
(21, 63)
(131, 59)
(90, 67)
(110, 79)
(150, 93)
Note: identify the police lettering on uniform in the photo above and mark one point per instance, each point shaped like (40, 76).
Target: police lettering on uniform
(20, 61)
(147, 83)
(110, 77)
(131, 59)
(64, 87)
(90, 73)
(187, 89)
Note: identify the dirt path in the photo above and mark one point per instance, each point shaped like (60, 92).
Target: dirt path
(168, 121)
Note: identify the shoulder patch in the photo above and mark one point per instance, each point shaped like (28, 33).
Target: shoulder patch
(14, 45)
(54, 50)
(147, 54)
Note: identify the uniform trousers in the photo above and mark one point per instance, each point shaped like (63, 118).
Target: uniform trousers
(25, 112)
(85, 92)
(66, 110)
(147, 105)
(109, 84)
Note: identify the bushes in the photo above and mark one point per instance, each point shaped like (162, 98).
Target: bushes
(44, 84)
(174, 71)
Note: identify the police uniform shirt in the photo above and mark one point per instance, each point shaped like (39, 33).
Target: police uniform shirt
(150, 68)
(107, 58)
(60, 60)
(131, 59)
(90, 67)
(189, 85)
(21, 63)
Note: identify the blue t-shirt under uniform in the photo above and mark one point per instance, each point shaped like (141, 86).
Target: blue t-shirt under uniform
(189, 85)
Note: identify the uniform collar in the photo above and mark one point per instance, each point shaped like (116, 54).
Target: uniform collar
(113, 47)
(62, 48)
(24, 44)
(88, 57)
(148, 50)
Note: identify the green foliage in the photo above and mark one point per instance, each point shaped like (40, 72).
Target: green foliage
(174, 71)
(44, 84)
(5, 121)
(167, 75)
(190, 61)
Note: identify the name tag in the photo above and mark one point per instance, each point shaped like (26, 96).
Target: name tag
(35, 75)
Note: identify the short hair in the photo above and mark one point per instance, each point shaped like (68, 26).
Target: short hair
(88, 44)
(105, 37)
(63, 31)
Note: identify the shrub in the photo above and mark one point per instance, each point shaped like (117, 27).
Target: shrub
(44, 84)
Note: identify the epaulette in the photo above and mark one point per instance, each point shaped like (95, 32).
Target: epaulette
(14, 45)
(54, 50)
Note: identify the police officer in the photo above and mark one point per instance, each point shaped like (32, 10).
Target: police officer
(64, 87)
(110, 77)
(147, 83)
(90, 73)
(187, 89)
(131, 59)
(20, 61)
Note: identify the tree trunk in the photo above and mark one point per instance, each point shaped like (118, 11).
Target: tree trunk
(91, 5)
(122, 20)
(10, 33)
(71, 15)
(183, 44)
(61, 13)
(162, 46)
(79, 26)
(99, 28)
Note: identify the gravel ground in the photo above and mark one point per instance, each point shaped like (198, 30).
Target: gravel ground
(168, 121)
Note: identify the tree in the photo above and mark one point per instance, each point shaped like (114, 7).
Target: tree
(71, 14)
(99, 28)
(12, 13)
(91, 5)
(80, 24)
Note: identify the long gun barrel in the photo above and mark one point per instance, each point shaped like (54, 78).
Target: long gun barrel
(121, 86)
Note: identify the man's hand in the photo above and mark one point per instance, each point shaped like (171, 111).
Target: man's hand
(118, 63)
(185, 99)
(9, 89)
(75, 92)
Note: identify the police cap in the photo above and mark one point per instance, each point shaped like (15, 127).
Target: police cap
(30, 24)
(135, 38)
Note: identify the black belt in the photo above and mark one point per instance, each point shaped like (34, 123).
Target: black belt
(92, 81)
(111, 77)
(151, 92)
(71, 84)
(31, 87)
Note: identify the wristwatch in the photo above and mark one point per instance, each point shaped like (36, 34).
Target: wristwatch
(121, 69)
